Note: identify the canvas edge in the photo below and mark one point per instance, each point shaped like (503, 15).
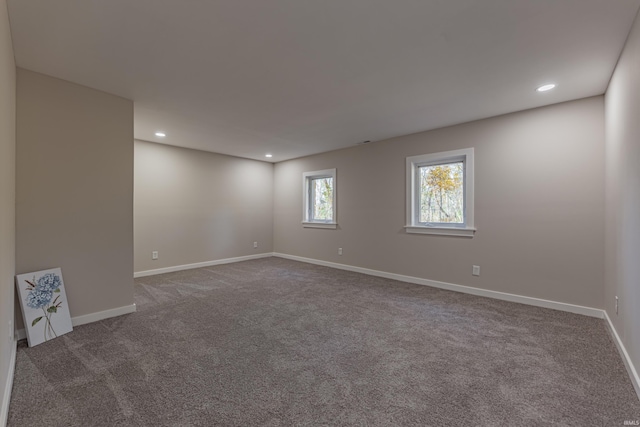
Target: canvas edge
(20, 334)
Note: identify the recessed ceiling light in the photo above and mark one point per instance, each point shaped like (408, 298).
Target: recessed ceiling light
(546, 87)
(161, 134)
(268, 155)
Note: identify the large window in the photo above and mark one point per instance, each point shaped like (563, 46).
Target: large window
(440, 193)
(319, 195)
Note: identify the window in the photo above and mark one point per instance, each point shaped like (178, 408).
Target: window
(440, 193)
(319, 195)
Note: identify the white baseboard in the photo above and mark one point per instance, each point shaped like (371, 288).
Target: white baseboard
(90, 318)
(537, 302)
(6, 398)
(571, 308)
(200, 265)
(101, 315)
(633, 374)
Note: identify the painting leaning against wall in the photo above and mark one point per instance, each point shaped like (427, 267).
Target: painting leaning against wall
(44, 305)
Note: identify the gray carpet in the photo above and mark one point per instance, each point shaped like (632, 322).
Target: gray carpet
(273, 342)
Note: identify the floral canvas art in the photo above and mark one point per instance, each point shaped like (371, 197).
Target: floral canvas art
(44, 305)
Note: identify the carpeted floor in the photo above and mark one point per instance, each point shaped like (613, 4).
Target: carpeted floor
(273, 342)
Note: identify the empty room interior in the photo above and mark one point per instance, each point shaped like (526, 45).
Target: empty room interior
(360, 212)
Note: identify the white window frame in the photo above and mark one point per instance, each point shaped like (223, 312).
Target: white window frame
(307, 177)
(467, 229)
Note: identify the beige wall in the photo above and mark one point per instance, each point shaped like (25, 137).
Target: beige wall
(74, 189)
(539, 210)
(622, 111)
(7, 194)
(192, 206)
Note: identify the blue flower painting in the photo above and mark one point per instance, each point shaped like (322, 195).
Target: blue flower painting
(43, 296)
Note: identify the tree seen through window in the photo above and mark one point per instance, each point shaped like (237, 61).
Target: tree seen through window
(322, 199)
(441, 193)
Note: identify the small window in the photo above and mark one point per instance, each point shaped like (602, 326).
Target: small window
(440, 193)
(319, 195)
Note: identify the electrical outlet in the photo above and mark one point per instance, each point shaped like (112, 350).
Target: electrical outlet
(617, 305)
(476, 270)
(339, 251)
(255, 244)
(154, 255)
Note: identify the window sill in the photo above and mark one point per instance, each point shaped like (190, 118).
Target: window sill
(331, 225)
(440, 231)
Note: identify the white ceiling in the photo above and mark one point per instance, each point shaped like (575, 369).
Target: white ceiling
(298, 77)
